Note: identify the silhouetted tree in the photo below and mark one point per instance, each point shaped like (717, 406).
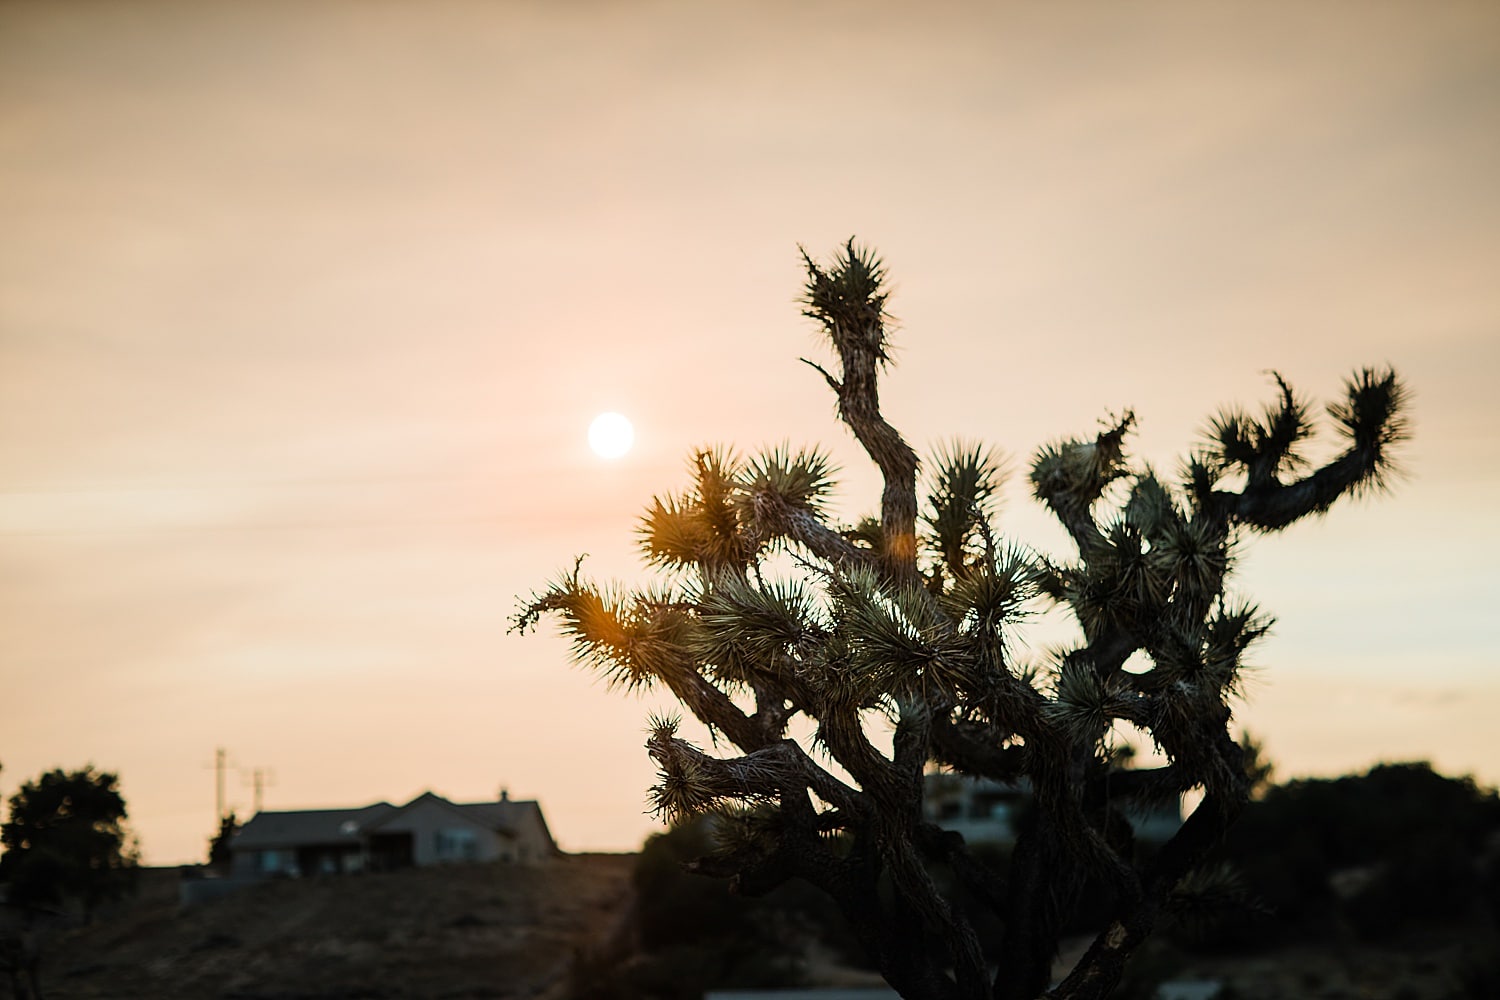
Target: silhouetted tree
(66, 842)
(219, 855)
(909, 619)
(1411, 844)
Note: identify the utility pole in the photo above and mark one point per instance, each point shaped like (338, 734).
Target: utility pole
(221, 757)
(221, 761)
(260, 777)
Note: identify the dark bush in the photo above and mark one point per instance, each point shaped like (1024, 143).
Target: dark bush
(694, 935)
(1407, 844)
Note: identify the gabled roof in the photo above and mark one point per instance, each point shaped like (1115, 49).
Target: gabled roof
(305, 827)
(462, 812)
(507, 814)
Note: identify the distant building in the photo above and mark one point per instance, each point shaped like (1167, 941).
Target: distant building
(987, 811)
(428, 830)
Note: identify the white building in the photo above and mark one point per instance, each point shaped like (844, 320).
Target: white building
(987, 811)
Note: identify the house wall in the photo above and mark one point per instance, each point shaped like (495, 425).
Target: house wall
(440, 835)
(532, 841)
(244, 864)
(273, 862)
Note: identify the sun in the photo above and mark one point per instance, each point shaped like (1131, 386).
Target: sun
(611, 435)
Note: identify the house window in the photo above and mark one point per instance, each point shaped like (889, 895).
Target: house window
(456, 845)
(275, 862)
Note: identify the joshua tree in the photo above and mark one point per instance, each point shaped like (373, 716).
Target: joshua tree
(906, 623)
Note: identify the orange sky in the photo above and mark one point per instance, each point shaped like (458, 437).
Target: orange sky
(305, 309)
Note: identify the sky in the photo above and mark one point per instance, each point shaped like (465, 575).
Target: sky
(305, 309)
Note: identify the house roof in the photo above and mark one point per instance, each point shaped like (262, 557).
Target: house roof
(502, 815)
(466, 813)
(304, 827)
(307, 827)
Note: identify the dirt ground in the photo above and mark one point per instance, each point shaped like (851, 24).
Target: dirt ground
(506, 931)
(1442, 965)
(471, 931)
(1454, 962)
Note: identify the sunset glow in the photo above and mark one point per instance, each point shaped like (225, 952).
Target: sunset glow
(304, 309)
(611, 435)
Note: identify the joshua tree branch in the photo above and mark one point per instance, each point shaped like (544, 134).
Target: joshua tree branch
(1272, 506)
(849, 300)
(712, 706)
(776, 518)
(1097, 973)
(951, 848)
(973, 748)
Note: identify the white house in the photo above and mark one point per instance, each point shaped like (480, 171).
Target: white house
(427, 830)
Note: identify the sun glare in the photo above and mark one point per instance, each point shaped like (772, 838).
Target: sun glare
(611, 435)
